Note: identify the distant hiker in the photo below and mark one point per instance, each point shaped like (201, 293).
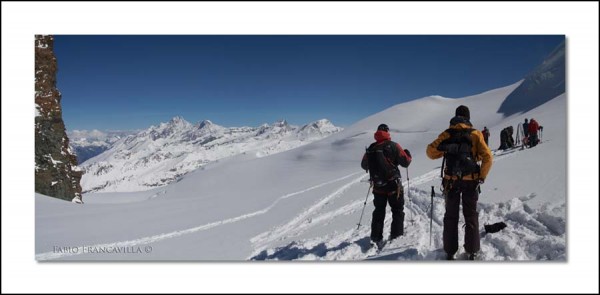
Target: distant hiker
(503, 139)
(381, 160)
(506, 139)
(486, 135)
(511, 141)
(533, 132)
(462, 147)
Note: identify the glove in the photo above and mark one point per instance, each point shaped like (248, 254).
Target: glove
(494, 228)
(480, 180)
(407, 152)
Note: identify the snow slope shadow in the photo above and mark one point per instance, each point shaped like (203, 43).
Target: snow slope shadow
(408, 254)
(294, 250)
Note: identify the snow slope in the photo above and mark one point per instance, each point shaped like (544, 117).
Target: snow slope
(526, 189)
(304, 203)
(162, 154)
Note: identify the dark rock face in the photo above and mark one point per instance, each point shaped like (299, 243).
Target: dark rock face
(56, 171)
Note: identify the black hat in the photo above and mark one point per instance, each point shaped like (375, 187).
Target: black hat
(383, 127)
(463, 111)
(525, 120)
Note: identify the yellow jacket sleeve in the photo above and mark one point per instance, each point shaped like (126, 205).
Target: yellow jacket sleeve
(483, 153)
(432, 151)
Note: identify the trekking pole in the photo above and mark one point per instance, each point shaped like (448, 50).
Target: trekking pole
(365, 204)
(431, 216)
(412, 221)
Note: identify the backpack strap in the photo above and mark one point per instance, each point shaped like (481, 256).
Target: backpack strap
(442, 171)
(394, 153)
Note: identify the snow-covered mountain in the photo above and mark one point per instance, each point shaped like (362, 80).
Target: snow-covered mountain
(544, 83)
(163, 153)
(304, 204)
(89, 143)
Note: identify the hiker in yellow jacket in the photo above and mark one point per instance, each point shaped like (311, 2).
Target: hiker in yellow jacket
(462, 148)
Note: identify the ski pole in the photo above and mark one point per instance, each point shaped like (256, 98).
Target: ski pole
(412, 221)
(365, 204)
(431, 216)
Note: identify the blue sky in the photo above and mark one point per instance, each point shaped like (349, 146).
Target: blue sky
(124, 82)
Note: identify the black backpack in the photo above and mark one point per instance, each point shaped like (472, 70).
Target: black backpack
(382, 168)
(462, 162)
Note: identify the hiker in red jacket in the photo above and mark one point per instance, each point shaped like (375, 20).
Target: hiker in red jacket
(381, 160)
(532, 130)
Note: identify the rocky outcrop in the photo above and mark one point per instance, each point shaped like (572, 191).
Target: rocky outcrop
(56, 171)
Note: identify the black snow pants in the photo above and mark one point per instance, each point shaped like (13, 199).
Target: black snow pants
(383, 196)
(467, 190)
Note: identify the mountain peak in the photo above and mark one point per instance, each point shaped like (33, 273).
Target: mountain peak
(205, 123)
(178, 119)
(281, 123)
(318, 128)
(322, 122)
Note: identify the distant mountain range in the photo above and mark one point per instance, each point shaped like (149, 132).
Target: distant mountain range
(89, 143)
(159, 155)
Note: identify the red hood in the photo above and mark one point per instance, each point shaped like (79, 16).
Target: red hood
(382, 136)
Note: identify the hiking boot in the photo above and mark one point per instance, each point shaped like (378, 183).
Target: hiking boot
(472, 256)
(450, 257)
(376, 243)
